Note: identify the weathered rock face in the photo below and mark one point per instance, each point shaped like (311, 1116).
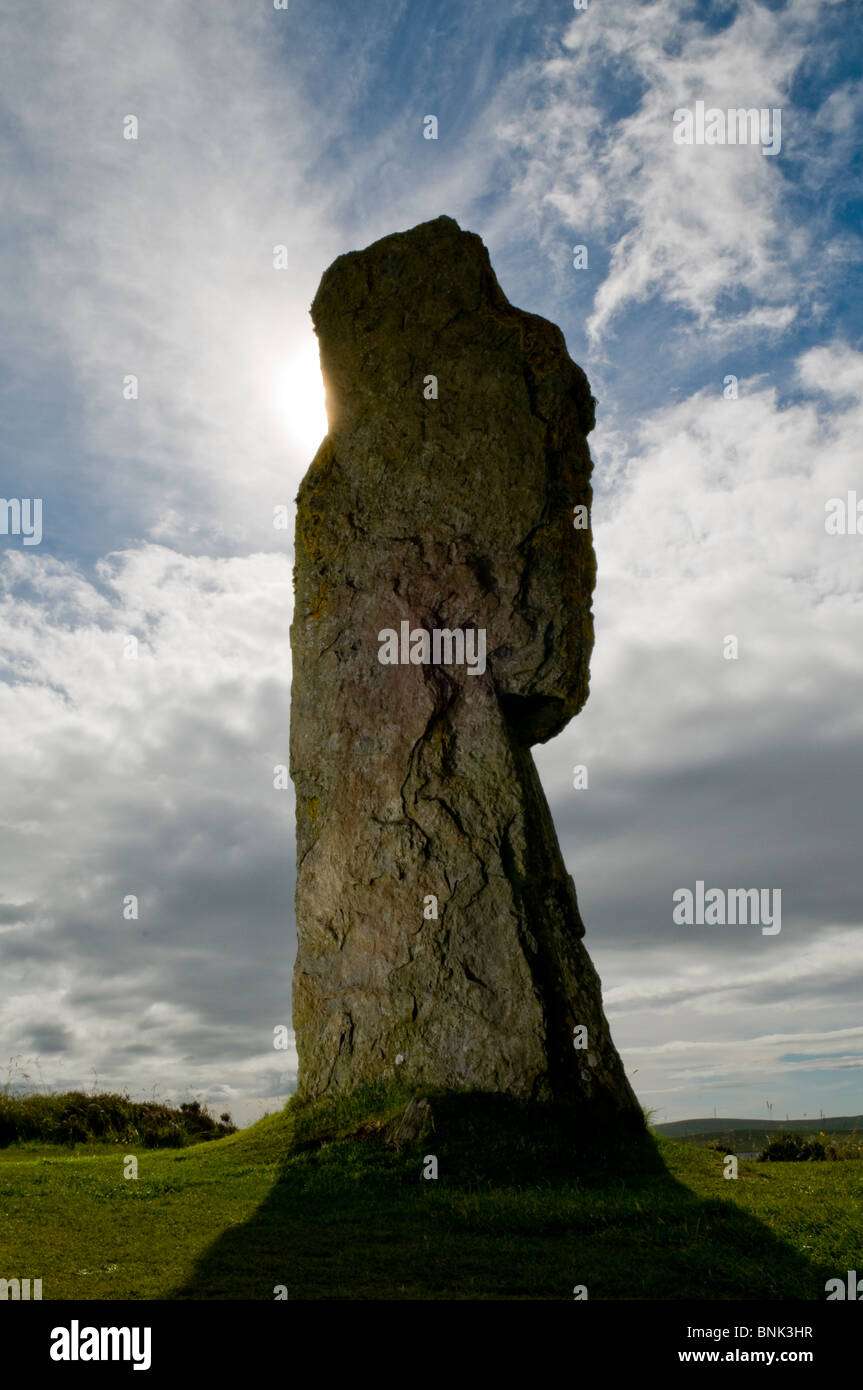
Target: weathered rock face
(416, 790)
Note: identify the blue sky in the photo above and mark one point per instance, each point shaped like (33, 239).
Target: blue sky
(154, 257)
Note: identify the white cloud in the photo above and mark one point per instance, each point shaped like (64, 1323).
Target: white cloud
(154, 257)
(699, 227)
(715, 526)
(837, 370)
(151, 777)
(740, 773)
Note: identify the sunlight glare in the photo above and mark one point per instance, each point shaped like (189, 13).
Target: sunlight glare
(299, 392)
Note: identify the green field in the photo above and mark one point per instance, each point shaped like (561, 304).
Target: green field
(317, 1201)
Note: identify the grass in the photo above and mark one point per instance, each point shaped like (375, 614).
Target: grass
(315, 1199)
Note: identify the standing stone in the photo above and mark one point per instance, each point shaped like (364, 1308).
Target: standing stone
(447, 508)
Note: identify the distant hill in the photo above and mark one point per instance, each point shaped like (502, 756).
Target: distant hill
(692, 1129)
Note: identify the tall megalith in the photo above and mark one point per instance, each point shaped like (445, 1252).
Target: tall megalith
(442, 626)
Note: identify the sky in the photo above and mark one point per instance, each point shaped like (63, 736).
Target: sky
(160, 396)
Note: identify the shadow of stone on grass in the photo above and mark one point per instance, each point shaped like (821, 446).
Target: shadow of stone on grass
(526, 1206)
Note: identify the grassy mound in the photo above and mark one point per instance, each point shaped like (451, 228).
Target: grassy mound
(323, 1201)
(76, 1118)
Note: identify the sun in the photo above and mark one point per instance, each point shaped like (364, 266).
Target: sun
(299, 397)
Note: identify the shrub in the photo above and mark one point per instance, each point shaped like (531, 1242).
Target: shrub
(792, 1148)
(720, 1146)
(75, 1118)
